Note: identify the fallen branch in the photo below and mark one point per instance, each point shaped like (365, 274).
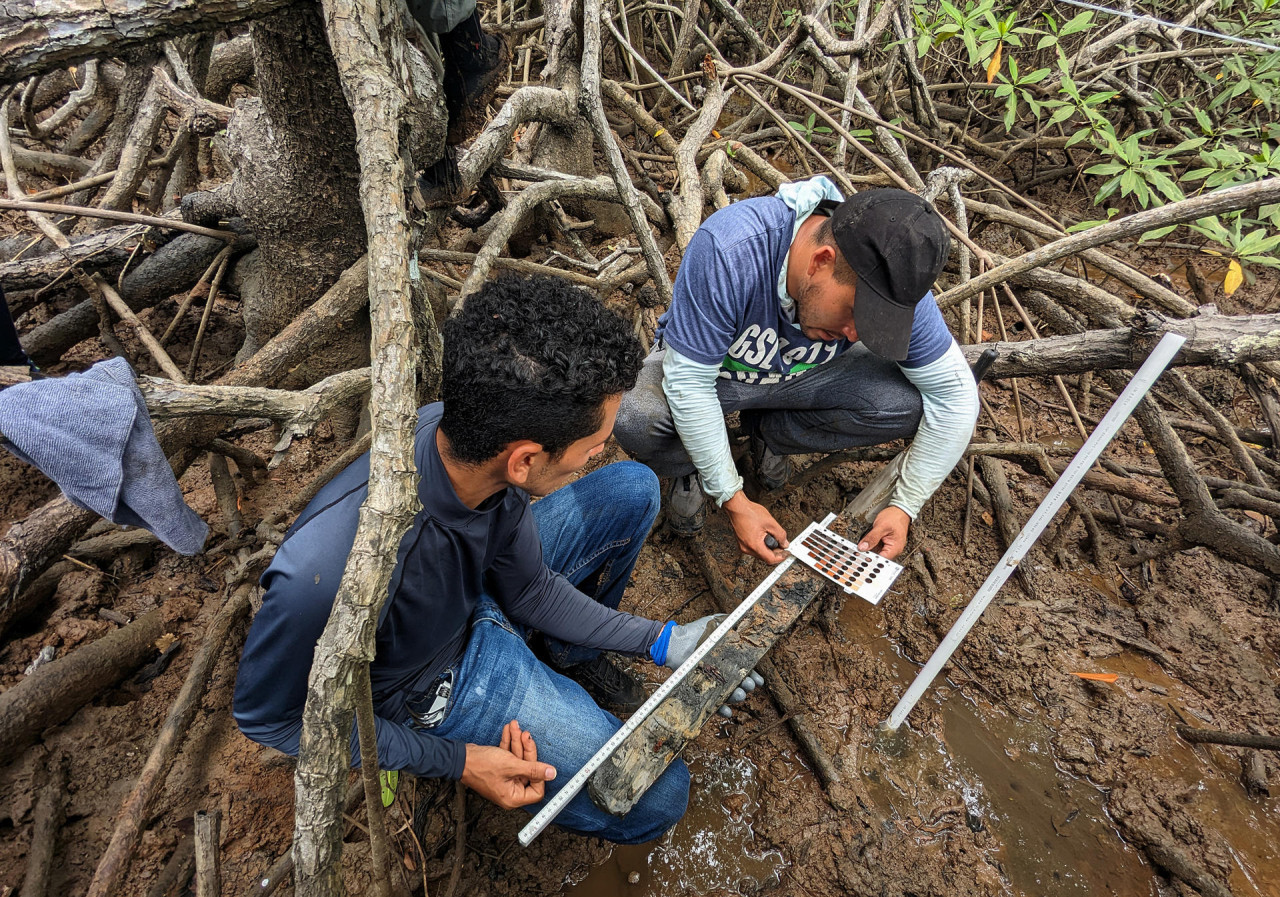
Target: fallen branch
(57, 690)
(46, 822)
(1212, 339)
(53, 208)
(38, 37)
(1229, 199)
(208, 831)
(136, 811)
(1235, 739)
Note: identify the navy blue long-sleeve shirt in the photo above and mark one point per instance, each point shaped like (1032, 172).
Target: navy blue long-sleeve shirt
(451, 555)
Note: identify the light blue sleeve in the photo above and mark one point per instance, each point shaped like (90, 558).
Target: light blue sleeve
(950, 412)
(690, 388)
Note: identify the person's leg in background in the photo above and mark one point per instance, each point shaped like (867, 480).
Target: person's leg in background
(647, 433)
(11, 352)
(857, 399)
(592, 530)
(474, 65)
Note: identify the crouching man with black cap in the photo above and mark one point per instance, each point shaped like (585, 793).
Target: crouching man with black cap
(812, 316)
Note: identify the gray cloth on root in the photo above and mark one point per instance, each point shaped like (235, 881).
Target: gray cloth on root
(90, 433)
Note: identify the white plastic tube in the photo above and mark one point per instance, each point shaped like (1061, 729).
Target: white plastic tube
(1101, 437)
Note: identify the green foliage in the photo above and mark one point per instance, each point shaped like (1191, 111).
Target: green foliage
(1212, 123)
(808, 128)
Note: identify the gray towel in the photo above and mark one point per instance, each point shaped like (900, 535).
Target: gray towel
(90, 433)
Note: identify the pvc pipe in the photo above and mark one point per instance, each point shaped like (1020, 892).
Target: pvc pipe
(1101, 437)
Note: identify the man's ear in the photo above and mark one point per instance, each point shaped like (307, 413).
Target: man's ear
(822, 256)
(521, 458)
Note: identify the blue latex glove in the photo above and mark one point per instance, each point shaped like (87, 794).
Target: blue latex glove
(677, 643)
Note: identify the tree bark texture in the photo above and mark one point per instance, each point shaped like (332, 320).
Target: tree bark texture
(106, 251)
(1212, 339)
(368, 46)
(296, 174)
(44, 35)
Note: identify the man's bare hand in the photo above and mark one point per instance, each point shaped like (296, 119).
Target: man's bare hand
(508, 775)
(751, 523)
(888, 535)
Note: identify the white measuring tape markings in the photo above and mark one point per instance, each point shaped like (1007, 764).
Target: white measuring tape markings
(562, 797)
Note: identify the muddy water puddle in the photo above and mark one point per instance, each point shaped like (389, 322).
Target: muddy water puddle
(712, 848)
(995, 772)
(1056, 834)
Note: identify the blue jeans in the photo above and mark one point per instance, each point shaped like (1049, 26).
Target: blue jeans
(591, 530)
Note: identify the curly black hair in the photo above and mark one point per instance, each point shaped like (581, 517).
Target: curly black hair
(531, 358)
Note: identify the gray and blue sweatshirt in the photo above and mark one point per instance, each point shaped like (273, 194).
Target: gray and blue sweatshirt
(451, 555)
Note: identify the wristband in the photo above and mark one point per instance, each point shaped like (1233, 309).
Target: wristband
(658, 650)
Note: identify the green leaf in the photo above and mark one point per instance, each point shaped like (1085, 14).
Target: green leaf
(1061, 114)
(1188, 145)
(1079, 23)
(1130, 182)
(1085, 225)
(1157, 233)
(1076, 137)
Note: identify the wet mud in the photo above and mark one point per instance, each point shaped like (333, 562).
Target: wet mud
(1014, 776)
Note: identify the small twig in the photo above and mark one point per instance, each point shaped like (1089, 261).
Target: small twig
(111, 215)
(1013, 381)
(459, 838)
(379, 851)
(208, 831)
(191, 294)
(204, 321)
(644, 64)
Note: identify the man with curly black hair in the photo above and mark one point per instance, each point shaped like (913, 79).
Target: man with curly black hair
(534, 371)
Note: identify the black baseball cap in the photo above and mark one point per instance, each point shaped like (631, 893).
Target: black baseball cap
(896, 243)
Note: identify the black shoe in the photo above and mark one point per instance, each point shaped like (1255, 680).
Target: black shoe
(474, 65)
(441, 184)
(686, 506)
(612, 688)
(772, 470)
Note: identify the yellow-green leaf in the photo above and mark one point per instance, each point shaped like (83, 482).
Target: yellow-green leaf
(994, 65)
(1235, 277)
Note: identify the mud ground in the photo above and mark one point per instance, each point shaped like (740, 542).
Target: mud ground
(1015, 776)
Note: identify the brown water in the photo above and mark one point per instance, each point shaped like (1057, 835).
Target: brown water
(999, 769)
(711, 848)
(1057, 837)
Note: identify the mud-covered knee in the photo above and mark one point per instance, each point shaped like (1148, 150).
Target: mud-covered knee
(639, 422)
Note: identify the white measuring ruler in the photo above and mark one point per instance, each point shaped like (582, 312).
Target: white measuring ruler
(562, 797)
